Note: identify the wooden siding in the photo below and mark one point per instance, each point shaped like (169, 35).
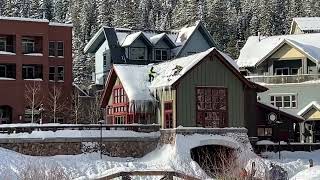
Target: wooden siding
(287, 52)
(312, 115)
(163, 96)
(210, 72)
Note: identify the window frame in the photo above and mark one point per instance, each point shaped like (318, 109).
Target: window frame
(29, 67)
(161, 54)
(54, 49)
(284, 68)
(57, 49)
(4, 40)
(59, 74)
(265, 131)
(144, 53)
(26, 41)
(294, 69)
(292, 100)
(5, 70)
(54, 73)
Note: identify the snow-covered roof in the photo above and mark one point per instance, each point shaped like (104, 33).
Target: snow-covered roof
(60, 24)
(134, 78)
(23, 19)
(257, 49)
(308, 23)
(131, 38)
(155, 39)
(312, 104)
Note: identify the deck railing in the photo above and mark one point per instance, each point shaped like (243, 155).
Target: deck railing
(17, 128)
(282, 79)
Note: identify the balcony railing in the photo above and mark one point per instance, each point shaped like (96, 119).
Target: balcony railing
(282, 79)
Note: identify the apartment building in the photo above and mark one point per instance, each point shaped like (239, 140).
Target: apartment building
(35, 70)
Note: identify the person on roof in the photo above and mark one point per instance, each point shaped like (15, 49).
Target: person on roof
(151, 74)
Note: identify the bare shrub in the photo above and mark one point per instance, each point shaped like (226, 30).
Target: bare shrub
(33, 172)
(218, 162)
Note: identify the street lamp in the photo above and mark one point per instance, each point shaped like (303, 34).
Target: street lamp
(274, 119)
(100, 148)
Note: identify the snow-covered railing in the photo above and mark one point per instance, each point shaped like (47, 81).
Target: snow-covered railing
(282, 79)
(17, 128)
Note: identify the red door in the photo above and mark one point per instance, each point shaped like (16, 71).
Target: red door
(212, 107)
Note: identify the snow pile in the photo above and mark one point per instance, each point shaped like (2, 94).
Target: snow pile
(78, 134)
(33, 54)
(7, 53)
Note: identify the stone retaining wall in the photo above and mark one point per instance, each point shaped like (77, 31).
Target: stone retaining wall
(120, 147)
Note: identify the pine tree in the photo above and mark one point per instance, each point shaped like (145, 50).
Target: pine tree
(47, 8)
(35, 11)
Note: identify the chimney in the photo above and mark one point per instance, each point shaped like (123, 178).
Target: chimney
(259, 36)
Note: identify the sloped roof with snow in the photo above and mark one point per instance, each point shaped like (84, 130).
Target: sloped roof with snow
(308, 23)
(134, 78)
(312, 104)
(257, 49)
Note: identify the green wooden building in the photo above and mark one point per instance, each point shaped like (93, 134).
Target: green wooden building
(201, 90)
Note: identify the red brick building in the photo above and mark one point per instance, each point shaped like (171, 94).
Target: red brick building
(35, 69)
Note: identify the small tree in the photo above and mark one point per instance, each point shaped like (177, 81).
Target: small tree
(33, 97)
(56, 103)
(94, 109)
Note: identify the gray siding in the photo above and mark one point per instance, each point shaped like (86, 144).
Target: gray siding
(305, 94)
(210, 73)
(197, 43)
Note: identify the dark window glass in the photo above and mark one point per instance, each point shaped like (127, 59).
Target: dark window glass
(60, 73)
(52, 49)
(28, 72)
(3, 44)
(51, 73)
(164, 55)
(3, 71)
(60, 50)
(158, 55)
(28, 46)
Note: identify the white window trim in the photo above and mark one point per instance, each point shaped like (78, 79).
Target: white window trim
(282, 100)
(29, 41)
(58, 49)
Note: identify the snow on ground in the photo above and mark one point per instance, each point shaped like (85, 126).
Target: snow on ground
(297, 164)
(78, 134)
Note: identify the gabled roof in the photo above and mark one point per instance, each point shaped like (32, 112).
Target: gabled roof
(295, 118)
(306, 23)
(313, 104)
(134, 78)
(163, 36)
(257, 49)
(134, 36)
(186, 33)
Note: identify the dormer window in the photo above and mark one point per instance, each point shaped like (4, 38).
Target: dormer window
(138, 53)
(161, 54)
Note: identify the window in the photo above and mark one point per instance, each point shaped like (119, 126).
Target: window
(3, 44)
(109, 110)
(168, 115)
(211, 106)
(28, 72)
(282, 71)
(264, 131)
(60, 75)
(51, 73)
(119, 120)
(137, 53)
(119, 95)
(52, 51)
(60, 49)
(284, 101)
(161, 55)
(28, 46)
(3, 71)
(294, 71)
(104, 60)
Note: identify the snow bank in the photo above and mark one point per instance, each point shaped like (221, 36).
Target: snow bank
(78, 134)
(308, 174)
(7, 53)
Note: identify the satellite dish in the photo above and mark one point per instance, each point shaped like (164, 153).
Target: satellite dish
(272, 117)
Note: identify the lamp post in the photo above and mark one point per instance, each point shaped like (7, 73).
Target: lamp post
(100, 147)
(274, 119)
